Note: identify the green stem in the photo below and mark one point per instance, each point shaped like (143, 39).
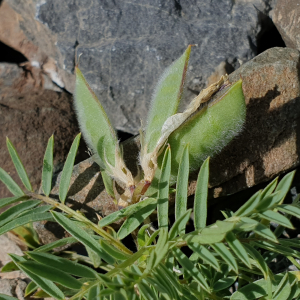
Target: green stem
(82, 218)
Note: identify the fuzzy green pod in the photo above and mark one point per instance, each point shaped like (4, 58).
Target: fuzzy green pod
(94, 123)
(166, 98)
(208, 131)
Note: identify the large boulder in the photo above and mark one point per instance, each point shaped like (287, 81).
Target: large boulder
(125, 46)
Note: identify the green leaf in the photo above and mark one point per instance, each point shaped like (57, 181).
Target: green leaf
(134, 220)
(94, 292)
(160, 286)
(210, 129)
(238, 248)
(18, 165)
(50, 273)
(63, 264)
(5, 297)
(108, 183)
(82, 236)
(276, 218)
(7, 201)
(68, 169)
(200, 202)
(12, 212)
(152, 237)
(290, 242)
(94, 257)
(129, 262)
(255, 290)
(224, 283)
(165, 276)
(47, 285)
(94, 123)
(25, 220)
(268, 202)
(221, 249)
(179, 225)
(190, 268)
(163, 191)
(265, 232)
(169, 274)
(146, 291)
(210, 235)
(286, 251)
(163, 285)
(285, 184)
(258, 258)
(142, 236)
(31, 287)
(291, 209)
(126, 212)
(182, 185)
(161, 248)
(10, 184)
(269, 189)
(166, 98)
(37, 210)
(160, 251)
(48, 167)
(205, 255)
(114, 252)
(207, 238)
(249, 206)
(10, 266)
(283, 290)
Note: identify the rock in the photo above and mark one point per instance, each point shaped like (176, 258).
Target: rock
(8, 246)
(30, 114)
(122, 60)
(21, 31)
(13, 287)
(11, 283)
(286, 17)
(267, 147)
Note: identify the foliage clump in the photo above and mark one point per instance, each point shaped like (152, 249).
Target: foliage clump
(225, 260)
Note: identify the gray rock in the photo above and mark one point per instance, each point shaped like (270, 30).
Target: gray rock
(13, 287)
(8, 246)
(125, 46)
(286, 17)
